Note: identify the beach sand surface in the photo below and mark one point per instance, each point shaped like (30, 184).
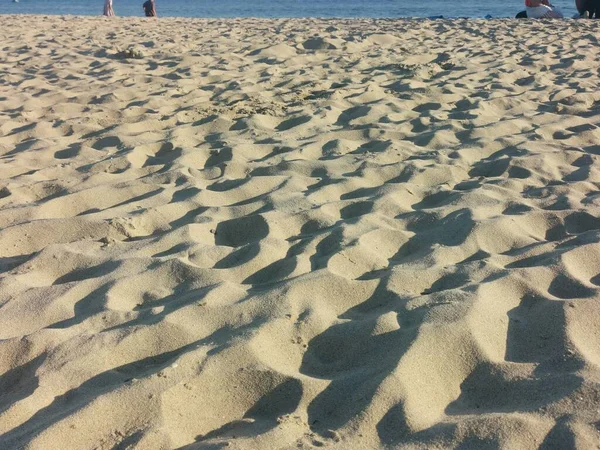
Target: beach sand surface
(276, 234)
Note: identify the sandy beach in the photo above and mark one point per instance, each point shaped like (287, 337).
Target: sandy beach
(280, 234)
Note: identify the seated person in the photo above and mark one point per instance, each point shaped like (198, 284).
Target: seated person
(541, 9)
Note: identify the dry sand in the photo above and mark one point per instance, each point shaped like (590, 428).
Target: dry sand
(273, 234)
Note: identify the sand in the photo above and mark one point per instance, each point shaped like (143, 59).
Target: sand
(275, 234)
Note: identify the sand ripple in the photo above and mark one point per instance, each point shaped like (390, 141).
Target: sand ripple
(299, 233)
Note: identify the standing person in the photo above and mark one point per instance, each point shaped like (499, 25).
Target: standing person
(541, 9)
(108, 9)
(149, 8)
(592, 7)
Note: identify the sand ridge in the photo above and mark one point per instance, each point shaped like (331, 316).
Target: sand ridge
(299, 233)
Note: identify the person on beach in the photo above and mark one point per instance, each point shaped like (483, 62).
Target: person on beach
(541, 9)
(108, 9)
(589, 8)
(149, 8)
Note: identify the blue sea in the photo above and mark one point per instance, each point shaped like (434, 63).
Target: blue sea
(283, 8)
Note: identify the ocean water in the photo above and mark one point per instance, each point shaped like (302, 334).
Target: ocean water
(283, 8)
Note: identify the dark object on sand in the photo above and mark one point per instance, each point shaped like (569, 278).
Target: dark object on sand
(521, 15)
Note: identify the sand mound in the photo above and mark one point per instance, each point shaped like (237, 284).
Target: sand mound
(318, 43)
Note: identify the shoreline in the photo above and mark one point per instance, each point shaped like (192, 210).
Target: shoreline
(270, 18)
(341, 19)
